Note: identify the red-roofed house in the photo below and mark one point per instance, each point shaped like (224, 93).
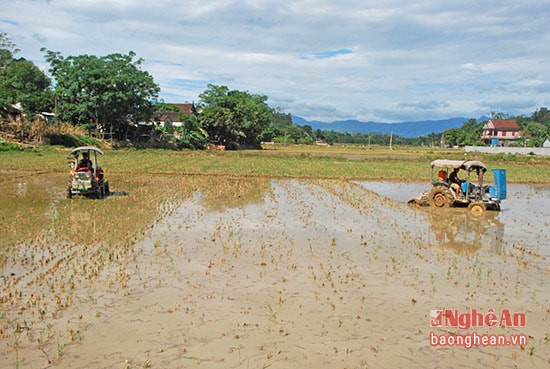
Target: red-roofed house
(169, 119)
(172, 118)
(187, 108)
(500, 132)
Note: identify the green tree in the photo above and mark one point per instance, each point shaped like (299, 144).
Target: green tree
(282, 130)
(162, 106)
(191, 134)
(455, 137)
(535, 133)
(21, 81)
(318, 134)
(7, 50)
(499, 115)
(108, 92)
(542, 115)
(330, 137)
(468, 134)
(277, 130)
(234, 118)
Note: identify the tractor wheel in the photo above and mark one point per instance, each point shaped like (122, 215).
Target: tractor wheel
(441, 197)
(69, 193)
(477, 208)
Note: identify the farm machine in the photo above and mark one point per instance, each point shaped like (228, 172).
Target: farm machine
(448, 190)
(86, 177)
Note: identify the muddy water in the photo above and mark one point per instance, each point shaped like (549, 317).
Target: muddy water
(523, 222)
(252, 273)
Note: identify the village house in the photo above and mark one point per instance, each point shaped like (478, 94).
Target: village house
(11, 112)
(172, 118)
(169, 119)
(15, 113)
(497, 132)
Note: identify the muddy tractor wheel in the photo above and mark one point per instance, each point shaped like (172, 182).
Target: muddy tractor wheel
(441, 197)
(477, 208)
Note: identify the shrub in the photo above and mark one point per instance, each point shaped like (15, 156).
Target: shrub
(71, 140)
(8, 146)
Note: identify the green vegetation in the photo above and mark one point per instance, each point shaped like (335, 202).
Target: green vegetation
(469, 134)
(535, 129)
(110, 96)
(294, 161)
(72, 140)
(9, 146)
(234, 117)
(21, 81)
(108, 93)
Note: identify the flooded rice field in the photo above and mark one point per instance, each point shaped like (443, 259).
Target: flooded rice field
(214, 272)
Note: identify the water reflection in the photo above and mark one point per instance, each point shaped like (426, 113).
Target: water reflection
(462, 232)
(525, 213)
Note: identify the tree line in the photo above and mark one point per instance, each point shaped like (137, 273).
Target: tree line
(535, 129)
(111, 96)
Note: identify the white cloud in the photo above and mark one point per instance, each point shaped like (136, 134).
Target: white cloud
(469, 68)
(369, 60)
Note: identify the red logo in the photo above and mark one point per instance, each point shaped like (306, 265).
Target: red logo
(474, 318)
(436, 318)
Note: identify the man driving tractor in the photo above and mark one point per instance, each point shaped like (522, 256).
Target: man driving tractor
(455, 182)
(85, 162)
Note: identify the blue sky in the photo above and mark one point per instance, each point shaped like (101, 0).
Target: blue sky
(387, 61)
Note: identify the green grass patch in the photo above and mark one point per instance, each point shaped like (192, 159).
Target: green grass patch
(9, 146)
(346, 162)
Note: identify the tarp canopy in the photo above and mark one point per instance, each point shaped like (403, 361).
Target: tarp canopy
(86, 148)
(462, 164)
(444, 163)
(474, 164)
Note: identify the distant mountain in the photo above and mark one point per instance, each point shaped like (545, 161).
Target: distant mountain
(405, 129)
